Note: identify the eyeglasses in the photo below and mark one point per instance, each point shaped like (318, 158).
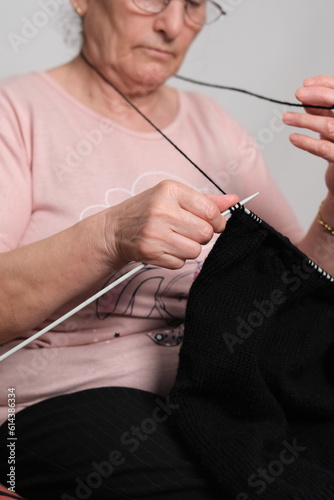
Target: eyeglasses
(200, 12)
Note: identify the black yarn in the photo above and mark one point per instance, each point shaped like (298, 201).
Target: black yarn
(192, 81)
(150, 122)
(255, 383)
(253, 94)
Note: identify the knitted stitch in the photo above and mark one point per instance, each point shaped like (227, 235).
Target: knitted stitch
(255, 382)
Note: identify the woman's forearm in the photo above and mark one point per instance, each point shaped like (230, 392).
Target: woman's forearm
(41, 277)
(163, 226)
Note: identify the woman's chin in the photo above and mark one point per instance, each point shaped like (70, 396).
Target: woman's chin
(149, 78)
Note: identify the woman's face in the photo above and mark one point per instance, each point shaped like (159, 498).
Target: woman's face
(136, 50)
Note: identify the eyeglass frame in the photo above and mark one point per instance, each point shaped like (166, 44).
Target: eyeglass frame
(165, 4)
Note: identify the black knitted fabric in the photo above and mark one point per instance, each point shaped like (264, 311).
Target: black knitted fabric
(255, 385)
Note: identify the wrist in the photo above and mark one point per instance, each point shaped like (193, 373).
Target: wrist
(325, 216)
(105, 241)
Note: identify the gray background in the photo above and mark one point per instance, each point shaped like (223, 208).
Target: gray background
(266, 46)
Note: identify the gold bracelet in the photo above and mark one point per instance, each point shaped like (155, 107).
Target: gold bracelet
(324, 224)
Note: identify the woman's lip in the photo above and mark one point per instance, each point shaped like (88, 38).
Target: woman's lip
(158, 51)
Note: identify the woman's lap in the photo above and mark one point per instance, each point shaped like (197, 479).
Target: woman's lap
(101, 444)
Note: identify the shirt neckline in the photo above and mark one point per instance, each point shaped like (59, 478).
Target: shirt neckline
(115, 124)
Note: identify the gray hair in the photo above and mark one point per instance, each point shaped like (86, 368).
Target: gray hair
(69, 24)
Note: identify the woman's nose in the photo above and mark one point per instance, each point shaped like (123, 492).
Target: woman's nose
(171, 19)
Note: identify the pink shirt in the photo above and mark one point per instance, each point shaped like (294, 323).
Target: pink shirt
(61, 162)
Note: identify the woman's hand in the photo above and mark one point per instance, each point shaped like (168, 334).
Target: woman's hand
(318, 243)
(317, 91)
(164, 225)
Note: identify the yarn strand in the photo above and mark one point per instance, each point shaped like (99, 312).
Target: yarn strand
(253, 94)
(150, 122)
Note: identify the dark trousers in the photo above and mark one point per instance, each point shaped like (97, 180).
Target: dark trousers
(101, 444)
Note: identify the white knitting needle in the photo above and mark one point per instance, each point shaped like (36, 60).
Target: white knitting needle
(96, 296)
(70, 313)
(242, 202)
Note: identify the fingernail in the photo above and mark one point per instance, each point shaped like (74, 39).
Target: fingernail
(309, 81)
(301, 93)
(231, 198)
(293, 138)
(287, 117)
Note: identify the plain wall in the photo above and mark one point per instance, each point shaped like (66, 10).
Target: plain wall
(266, 46)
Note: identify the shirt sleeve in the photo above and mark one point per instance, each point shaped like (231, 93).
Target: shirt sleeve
(15, 173)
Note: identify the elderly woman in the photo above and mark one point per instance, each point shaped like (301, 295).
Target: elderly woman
(89, 188)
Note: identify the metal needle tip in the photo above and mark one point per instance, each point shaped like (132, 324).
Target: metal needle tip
(242, 202)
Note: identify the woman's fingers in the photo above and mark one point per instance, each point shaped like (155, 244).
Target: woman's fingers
(317, 91)
(315, 96)
(319, 81)
(207, 208)
(318, 147)
(322, 124)
(164, 225)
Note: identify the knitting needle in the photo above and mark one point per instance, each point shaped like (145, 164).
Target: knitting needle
(96, 296)
(229, 211)
(70, 313)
